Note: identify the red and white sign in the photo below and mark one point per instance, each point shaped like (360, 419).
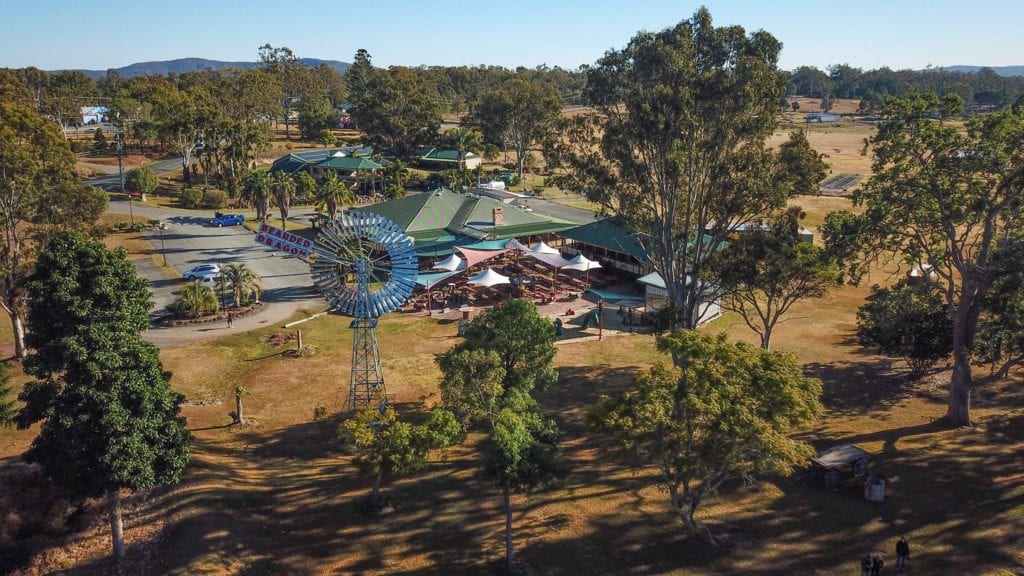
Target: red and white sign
(284, 241)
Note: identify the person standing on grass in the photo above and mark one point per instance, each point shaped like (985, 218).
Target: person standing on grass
(876, 566)
(902, 553)
(865, 565)
(231, 317)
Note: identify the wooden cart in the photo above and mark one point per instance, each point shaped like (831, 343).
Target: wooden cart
(829, 465)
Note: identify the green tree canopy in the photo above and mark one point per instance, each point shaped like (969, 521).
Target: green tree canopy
(109, 420)
(283, 186)
(726, 412)
(523, 340)
(142, 180)
(676, 144)
(1000, 340)
(39, 192)
(520, 452)
(911, 322)
(399, 111)
(243, 282)
(520, 114)
(258, 189)
(195, 300)
(945, 197)
(8, 409)
(805, 166)
(382, 445)
(333, 193)
(764, 272)
(316, 115)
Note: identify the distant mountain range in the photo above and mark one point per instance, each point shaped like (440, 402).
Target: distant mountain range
(182, 65)
(1001, 70)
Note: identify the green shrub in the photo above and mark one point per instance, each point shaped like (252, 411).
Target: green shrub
(121, 226)
(214, 199)
(191, 198)
(141, 180)
(137, 227)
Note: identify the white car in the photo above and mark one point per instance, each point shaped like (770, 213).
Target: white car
(201, 272)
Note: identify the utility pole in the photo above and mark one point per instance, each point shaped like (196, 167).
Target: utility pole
(120, 171)
(163, 249)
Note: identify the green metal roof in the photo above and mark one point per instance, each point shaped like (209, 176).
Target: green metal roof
(440, 155)
(442, 219)
(349, 163)
(610, 234)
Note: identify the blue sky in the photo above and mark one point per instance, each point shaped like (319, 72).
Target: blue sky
(52, 34)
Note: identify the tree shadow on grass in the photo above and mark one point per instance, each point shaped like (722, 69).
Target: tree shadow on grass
(851, 388)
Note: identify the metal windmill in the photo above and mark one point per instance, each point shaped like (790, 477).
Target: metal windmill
(365, 266)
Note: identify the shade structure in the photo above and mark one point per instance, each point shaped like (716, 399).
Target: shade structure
(430, 280)
(542, 248)
(581, 263)
(489, 278)
(476, 256)
(554, 260)
(452, 264)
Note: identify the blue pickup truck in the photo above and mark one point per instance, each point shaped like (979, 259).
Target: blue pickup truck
(228, 220)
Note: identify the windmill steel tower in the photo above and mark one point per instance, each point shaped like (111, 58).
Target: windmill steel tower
(365, 266)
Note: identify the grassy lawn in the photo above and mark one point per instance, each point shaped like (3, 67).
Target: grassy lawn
(254, 225)
(277, 498)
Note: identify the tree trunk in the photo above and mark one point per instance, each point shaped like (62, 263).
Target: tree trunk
(19, 335)
(509, 550)
(698, 527)
(239, 414)
(959, 410)
(766, 339)
(375, 489)
(116, 527)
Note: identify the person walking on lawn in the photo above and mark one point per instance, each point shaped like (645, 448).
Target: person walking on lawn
(902, 553)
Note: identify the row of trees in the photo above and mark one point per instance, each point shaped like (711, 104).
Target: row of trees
(400, 112)
(983, 88)
(40, 194)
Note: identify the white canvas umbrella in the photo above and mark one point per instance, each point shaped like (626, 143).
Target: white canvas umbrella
(452, 264)
(542, 248)
(582, 263)
(489, 278)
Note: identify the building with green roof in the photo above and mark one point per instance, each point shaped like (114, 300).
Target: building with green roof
(441, 220)
(610, 242)
(439, 157)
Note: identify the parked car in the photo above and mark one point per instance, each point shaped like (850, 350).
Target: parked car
(208, 280)
(202, 271)
(228, 220)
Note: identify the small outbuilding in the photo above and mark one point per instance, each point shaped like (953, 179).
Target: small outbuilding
(822, 117)
(447, 159)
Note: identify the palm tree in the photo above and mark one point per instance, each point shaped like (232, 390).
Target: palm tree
(243, 281)
(284, 189)
(396, 174)
(465, 140)
(257, 189)
(333, 192)
(198, 299)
